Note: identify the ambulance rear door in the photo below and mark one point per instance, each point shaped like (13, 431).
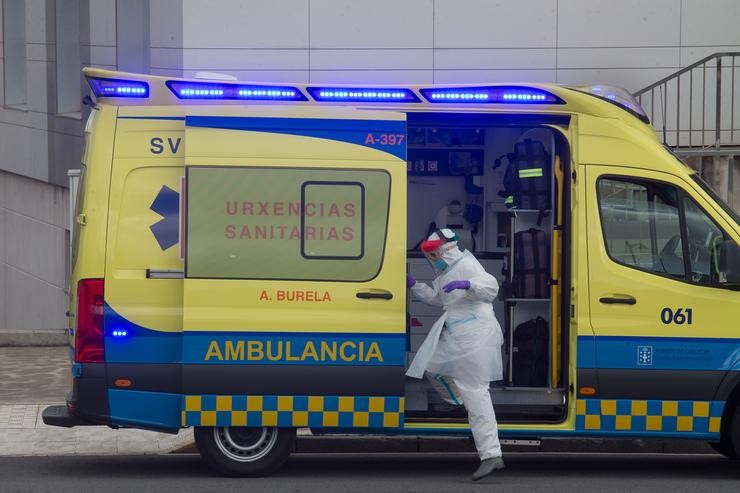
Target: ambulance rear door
(294, 293)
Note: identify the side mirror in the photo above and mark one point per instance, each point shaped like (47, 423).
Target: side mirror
(729, 263)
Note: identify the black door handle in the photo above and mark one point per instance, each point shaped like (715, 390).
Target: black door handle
(367, 295)
(628, 300)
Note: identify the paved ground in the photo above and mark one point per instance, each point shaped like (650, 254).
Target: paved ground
(389, 473)
(35, 377)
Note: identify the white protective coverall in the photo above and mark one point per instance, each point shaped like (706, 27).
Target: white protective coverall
(465, 343)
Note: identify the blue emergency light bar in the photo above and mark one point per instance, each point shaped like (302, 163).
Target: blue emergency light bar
(367, 94)
(118, 88)
(246, 92)
(491, 95)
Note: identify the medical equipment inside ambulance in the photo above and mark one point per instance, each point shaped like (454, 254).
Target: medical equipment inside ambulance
(496, 187)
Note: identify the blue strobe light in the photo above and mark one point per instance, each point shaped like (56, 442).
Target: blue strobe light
(246, 92)
(491, 95)
(367, 94)
(118, 88)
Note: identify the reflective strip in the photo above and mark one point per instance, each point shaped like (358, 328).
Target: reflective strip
(530, 173)
(293, 410)
(441, 380)
(639, 416)
(509, 200)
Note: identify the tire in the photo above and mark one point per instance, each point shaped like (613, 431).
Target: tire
(734, 435)
(244, 452)
(729, 443)
(724, 448)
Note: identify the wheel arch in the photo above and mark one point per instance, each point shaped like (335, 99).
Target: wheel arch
(729, 393)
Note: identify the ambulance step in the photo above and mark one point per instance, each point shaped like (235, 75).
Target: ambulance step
(521, 443)
(60, 416)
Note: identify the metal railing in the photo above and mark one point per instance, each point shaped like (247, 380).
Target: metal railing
(695, 109)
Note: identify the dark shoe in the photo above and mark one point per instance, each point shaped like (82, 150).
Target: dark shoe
(487, 467)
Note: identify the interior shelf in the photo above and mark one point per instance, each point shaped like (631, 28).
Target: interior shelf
(536, 300)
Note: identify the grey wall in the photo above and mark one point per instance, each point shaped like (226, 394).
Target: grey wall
(35, 140)
(629, 43)
(33, 262)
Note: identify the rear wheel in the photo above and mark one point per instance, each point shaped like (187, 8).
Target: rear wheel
(242, 451)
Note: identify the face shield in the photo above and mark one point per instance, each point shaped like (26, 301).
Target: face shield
(436, 257)
(440, 249)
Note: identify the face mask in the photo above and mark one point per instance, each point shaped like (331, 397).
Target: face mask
(439, 264)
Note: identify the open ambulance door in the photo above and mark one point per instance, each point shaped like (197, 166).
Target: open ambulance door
(294, 289)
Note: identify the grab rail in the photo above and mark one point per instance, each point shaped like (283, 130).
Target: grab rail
(690, 112)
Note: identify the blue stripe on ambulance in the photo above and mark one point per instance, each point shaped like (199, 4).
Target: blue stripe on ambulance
(361, 132)
(142, 345)
(658, 353)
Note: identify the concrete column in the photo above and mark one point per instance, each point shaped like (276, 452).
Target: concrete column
(715, 171)
(734, 177)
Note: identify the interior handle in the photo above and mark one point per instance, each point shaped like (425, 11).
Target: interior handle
(375, 294)
(623, 300)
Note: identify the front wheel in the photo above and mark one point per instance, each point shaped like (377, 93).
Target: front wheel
(241, 451)
(724, 448)
(735, 433)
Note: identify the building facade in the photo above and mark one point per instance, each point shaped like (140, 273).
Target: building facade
(44, 43)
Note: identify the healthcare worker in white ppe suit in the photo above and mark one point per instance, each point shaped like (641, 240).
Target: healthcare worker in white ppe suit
(463, 348)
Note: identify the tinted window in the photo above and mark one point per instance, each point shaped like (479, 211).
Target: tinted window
(641, 225)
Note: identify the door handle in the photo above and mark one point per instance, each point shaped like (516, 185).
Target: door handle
(375, 294)
(623, 300)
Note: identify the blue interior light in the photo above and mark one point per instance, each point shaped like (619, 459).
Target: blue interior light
(220, 90)
(120, 333)
(491, 95)
(367, 94)
(118, 88)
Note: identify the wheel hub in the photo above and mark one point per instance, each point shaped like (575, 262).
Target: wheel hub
(245, 444)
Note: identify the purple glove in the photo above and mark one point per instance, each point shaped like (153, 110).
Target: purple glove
(410, 281)
(453, 285)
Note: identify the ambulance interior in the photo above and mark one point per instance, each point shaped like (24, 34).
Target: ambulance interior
(456, 171)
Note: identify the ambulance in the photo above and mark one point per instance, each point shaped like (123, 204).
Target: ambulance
(240, 250)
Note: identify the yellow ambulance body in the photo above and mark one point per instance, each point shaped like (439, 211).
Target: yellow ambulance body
(240, 253)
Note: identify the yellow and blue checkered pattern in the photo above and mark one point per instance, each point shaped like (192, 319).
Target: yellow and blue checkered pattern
(648, 416)
(293, 410)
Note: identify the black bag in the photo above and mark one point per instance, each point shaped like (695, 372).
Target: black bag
(529, 363)
(527, 177)
(531, 277)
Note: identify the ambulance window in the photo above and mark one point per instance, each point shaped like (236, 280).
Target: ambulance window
(286, 223)
(641, 225)
(337, 233)
(704, 239)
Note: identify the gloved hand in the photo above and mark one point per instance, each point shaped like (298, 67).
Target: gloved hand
(453, 285)
(410, 281)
